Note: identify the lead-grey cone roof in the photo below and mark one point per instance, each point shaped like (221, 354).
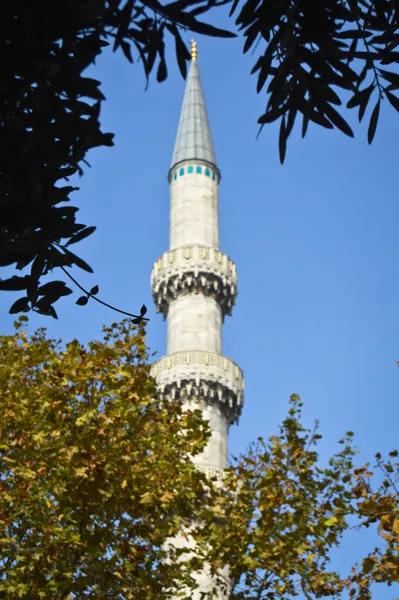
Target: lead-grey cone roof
(193, 140)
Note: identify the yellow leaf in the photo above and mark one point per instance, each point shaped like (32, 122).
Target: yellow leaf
(39, 437)
(146, 498)
(395, 526)
(124, 484)
(309, 558)
(331, 521)
(81, 472)
(55, 433)
(166, 497)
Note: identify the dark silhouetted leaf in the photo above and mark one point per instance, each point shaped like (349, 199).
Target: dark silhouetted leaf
(337, 120)
(82, 300)
(127, 51)
(37, 267)
(182, 54)
(351, 34)
(79, 262)
(305, 125)
(393, 100)
(233, 7)
(89, 87)
(282, 141)
(20, 305)
(136, 321)
(373, 122)
(393, 78)
(44, 307)
(15, 283)
(162, 72)
(81, 235)
(361, 97)
(390, 57)
(291, 121)
(54, 288)
(143, 310)
(94, 290)
(263, 73)
(251, 34)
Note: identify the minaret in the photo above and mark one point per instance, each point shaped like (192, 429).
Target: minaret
(194, 284)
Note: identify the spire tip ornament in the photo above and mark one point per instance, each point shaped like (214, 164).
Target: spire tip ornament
(193, 50)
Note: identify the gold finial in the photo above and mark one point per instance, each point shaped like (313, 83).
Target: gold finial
(193, 50)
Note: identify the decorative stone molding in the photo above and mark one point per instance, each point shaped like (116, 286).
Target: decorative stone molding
(194, 269)
(203, 376)
(210, 472)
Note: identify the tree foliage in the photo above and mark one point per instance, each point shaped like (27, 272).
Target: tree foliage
(312, 58)
(94, 475)
(49, 120)
(279, 515)
(315, 55)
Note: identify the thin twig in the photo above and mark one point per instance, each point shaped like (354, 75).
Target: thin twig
(101, 301)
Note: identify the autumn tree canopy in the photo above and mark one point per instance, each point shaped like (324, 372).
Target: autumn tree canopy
(310, 60)
(280, 513)
(96, 475)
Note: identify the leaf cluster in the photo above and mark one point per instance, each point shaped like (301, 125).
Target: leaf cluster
(50, 120)
(377, 505)
(312, 55)
(282, 515)
(279, 514)
(95, 475)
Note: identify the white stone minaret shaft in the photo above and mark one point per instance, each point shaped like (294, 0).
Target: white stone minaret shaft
(194, 285)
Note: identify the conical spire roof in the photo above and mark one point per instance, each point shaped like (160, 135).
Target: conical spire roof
(193, 140)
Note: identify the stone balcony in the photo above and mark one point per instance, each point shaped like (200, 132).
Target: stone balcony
(194, 269)
(202, 376)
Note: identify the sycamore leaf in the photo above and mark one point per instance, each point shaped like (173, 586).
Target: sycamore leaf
(146, 498)
(81, 472)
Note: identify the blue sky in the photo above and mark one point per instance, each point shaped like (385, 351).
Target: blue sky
(315, 242)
